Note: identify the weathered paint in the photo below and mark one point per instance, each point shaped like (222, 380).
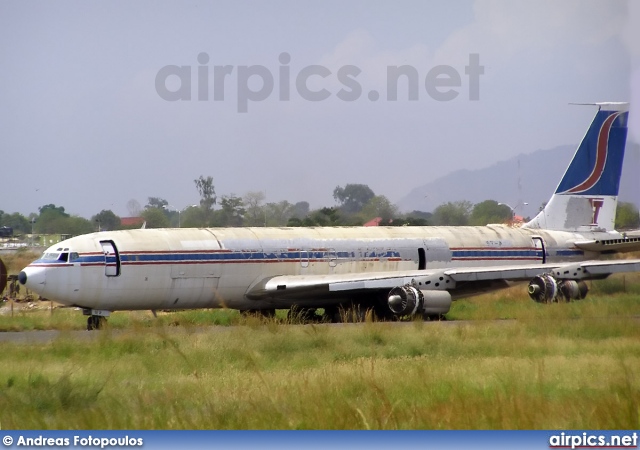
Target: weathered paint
(216, 267)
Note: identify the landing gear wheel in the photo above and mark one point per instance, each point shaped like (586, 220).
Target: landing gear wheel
(332, 315)
(434, 317)
(261, 313)
(95, 322)
(268, 313)
(383, 314)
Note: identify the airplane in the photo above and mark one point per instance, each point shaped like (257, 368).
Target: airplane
(397, 272)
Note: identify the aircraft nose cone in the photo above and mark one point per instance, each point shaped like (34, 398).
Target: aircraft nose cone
(33, 278)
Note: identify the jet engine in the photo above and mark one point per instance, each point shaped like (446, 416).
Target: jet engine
(573, 290)
(547, 289)
(407, 300)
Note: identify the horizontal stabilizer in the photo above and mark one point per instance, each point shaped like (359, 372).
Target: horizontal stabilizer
(624, 244)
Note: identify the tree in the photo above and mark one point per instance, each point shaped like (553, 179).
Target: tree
(156, 202)
(409, 221)
(106, 220)
(207, 196)
(627, 216)
(352, 197)
(327, 217)
(155, 217)
(490, 211)
(134, 208)
(255, 214)
(300, 210)
(420, 218)
(75, 225)
(323, 217)
(278, 214)
(294, 222)
(452, 213)
(17, 221)
(51, 219)
(193, 218)
(51, 208)
(54, 220)
(415, 219)
(379, 206)
(232, 211)
(173, 216)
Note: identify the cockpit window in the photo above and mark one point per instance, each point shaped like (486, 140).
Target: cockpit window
(55, 256)
(74, 256)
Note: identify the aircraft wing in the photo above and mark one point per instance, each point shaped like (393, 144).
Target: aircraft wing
(301, 287)
(566, 271)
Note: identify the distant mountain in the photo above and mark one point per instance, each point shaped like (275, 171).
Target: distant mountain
(530, 178)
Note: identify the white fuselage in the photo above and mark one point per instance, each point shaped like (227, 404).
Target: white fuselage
(216, 267)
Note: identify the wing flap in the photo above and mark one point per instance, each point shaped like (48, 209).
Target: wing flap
(609, 267)
(571, 271)
(509, 273)
(288, 285)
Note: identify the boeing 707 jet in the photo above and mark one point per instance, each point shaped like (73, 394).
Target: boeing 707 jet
(394, 271)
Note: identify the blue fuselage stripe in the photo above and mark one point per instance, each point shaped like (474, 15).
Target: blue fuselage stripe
(295, 256)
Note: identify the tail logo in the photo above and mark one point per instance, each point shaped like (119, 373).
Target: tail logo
(596, 205)
(601, 158)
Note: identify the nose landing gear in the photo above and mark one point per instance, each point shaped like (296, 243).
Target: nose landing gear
(97, 318)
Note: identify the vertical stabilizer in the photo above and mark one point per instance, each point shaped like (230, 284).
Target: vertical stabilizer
(587, 195)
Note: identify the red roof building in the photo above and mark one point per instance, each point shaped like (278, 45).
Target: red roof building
(375, 222)
(131, 221)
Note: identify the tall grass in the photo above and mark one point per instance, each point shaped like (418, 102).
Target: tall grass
(532, 374)
(616, 296)
(19, 259)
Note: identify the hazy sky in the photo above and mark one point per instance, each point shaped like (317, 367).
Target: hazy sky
(82, 124)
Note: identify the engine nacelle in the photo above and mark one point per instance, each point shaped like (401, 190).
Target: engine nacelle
(408, 300)
(436, 302)
(546, 289)
(573, 290)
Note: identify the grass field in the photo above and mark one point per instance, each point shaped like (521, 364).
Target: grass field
(554, 366)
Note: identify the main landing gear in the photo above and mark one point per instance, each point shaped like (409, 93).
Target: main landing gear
(261, 313)
(96, 319)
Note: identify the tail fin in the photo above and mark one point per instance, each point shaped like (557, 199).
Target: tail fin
(587, 195)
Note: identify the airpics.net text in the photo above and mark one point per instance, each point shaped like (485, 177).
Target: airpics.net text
(256, 83)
